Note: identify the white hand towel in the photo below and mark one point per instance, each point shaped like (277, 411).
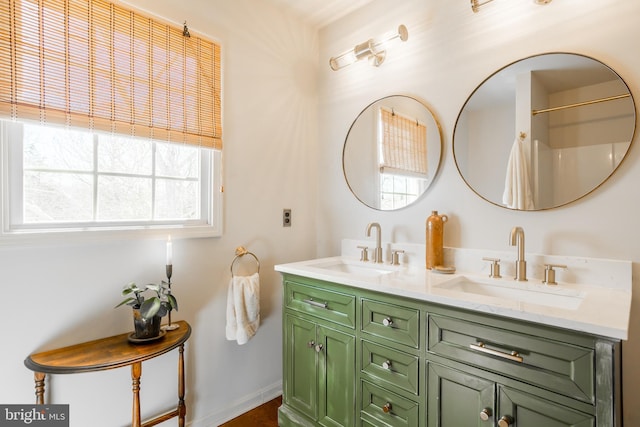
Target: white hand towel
(243, 308)
(517, 190)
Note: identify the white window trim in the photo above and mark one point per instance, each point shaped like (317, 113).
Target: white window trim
(9, 237)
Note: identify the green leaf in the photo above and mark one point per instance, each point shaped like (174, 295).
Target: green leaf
(162, 311)
(130, 288)
(172, 302)
(154, 287)
(150, 307)
(126, 301)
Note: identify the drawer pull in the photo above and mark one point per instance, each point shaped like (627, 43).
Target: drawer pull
(387, 321)
(510, 356)
(386, 408)
(315, 303)
(486, 413)
(505, 421)
(386, 365)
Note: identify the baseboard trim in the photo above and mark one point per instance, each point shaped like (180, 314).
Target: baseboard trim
(239, 407)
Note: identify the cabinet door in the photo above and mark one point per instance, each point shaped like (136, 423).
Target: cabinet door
(457, 399)
(336, 377)
(524, 410)
(300, 382)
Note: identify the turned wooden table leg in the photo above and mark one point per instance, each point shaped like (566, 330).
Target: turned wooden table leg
(136, 372)
(39, 379)
(182, 408)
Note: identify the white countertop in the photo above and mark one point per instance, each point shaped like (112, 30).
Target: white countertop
(603, 310)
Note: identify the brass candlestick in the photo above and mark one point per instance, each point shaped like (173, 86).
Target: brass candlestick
(170, 326)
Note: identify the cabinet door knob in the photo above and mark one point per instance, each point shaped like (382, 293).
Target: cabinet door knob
(311, 344)
(319, 348)
(505, 421)
(387, 321)
(486, 413)
(386, 408)
(386, 364)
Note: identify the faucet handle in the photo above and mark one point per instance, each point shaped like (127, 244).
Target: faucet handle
(495, 267)
(550, 274)
(364, 255)
(395, 259)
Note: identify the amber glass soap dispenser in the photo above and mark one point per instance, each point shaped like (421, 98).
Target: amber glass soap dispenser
(435, 238)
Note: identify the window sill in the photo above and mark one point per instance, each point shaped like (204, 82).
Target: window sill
(57, 238)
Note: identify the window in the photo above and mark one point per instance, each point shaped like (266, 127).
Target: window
(402, 146)
(398, 191)
(70, 178)
(111, 119)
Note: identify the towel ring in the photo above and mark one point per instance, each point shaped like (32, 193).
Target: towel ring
(240, 252)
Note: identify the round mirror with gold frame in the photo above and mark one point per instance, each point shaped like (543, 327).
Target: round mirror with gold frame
(392, 152)
(544, 131)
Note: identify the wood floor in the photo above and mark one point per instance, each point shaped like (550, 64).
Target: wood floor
(265, 415)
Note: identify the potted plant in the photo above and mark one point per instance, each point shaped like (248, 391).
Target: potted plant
(148, 311)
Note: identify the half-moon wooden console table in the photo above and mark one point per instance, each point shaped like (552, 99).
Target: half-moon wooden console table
(114, 352)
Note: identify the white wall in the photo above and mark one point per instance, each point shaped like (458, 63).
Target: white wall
(449, 52)
(63, 294)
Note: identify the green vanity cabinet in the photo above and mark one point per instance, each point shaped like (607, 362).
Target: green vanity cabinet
(486, 370)
(532, 411)
(319, 358)
(357, 357)
(301, 382)
(390, 362)
(458, 398)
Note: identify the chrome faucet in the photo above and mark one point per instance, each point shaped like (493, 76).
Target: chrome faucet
(377, 253)
(516, 238)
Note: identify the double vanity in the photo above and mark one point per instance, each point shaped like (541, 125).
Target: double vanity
(377, 344)
(491, 338)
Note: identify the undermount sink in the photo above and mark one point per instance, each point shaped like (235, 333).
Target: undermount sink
(355, 268)
(511, 290)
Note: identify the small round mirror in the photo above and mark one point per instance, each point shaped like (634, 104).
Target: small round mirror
(544, 131)
(392, 152)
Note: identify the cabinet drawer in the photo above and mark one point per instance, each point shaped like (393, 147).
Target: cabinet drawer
(391, 366)
(395, 323)
(557, 366)
(382, 407)
(326, 304)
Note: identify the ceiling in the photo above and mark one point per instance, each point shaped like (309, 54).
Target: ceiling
(321, 12)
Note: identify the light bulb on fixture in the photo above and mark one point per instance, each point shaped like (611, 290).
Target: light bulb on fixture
(373, 49)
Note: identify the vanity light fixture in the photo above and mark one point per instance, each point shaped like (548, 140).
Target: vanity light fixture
(372, 49)
(475, 4)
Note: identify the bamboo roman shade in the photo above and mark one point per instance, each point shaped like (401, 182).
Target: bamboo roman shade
(96, 65)
(403, 144)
